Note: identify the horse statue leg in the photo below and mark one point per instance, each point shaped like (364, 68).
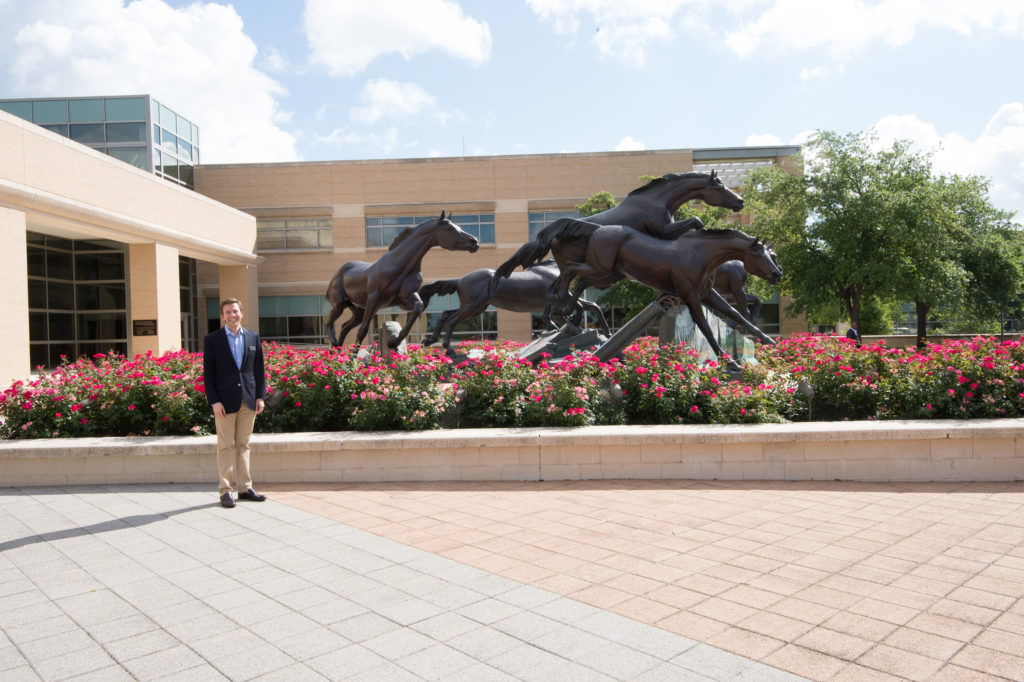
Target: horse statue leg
(693, 302)
(471, 309)
(715, 302)
(415, 303)
(368, 312)
(595, 310)
(755, 307)
(357, 317)
(439, 327)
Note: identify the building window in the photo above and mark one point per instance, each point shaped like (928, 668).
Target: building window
(541, 219)
(293, 233)
(382, 230)
(295, 320)
(77, 298)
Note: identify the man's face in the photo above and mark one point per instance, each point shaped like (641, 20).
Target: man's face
(231, 314)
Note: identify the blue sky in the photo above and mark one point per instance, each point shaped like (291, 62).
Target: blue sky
(351, 79)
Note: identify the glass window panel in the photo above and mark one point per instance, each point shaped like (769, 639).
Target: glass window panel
(50, 111)
(373, 222)
(168, 119)
(374, 237)
(36, 293)
(37, 326)
(169, 168)
(487, 233)
(87, 133)
(303, 326)
(186, 173)
(326, 238)
(126, 132)
(183, 127)
(212, 308)
(136, 156)
(274, 327)
(60, 352)
(85, 110)
(388, 234)
(39, 354)
(99, 266)
(304, 305)
(19, 109)
(126, 109)
(273, 305)
(184, 150)
(93, 326)
(60, 296)
(195, 134)
(62, 326)
(60, 129)
(168, 142)
(157, 159)
(101, 297)
(59, 243)
(58, 265)
(154, 110)
(35, 238)
(301, 239)
(270, 239)
(396, 220)
(36, 261)
(97, 245)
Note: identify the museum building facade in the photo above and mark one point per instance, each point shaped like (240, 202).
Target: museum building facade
(102, 252)
(313, 216)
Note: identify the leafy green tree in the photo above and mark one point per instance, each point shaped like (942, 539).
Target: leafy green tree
(863, 223)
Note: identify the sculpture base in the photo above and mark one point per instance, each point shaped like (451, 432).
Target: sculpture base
(559, 343)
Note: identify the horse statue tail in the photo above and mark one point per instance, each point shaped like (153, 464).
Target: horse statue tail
(441, 286)
(533, 252)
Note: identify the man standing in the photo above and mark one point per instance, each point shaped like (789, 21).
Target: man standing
(235, 384)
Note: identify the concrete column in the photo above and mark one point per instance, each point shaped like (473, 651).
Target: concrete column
(15, 361)
(239, 281)
(155, 294)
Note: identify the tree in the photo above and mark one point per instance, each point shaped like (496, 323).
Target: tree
(863, 223)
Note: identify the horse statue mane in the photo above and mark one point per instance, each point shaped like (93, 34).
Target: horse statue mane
(657, 182)
(407, 232)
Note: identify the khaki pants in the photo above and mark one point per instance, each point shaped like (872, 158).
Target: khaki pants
(233, 432)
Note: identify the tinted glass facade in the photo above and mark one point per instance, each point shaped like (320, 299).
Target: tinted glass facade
(138, 130)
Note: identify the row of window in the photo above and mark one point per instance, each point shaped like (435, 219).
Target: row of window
(83, 110)
(294, 233)
(382, 230)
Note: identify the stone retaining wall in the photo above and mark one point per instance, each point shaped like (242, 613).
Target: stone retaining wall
(979, 450)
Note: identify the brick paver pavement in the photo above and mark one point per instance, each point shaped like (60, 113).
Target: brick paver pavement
(829, 580)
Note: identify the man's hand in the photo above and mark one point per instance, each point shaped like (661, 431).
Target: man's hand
(260, 405)
(218, 410)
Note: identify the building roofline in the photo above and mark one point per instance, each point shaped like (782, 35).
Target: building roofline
(708, 153)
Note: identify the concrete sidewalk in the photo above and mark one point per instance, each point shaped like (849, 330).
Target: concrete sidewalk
(829, 580)
(160, 582)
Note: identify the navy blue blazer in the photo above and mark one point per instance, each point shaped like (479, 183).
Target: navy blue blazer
(224, 382)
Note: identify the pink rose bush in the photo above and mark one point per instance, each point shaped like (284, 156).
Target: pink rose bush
(327, 389)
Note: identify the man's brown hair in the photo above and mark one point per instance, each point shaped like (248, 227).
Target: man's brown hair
(229, 301)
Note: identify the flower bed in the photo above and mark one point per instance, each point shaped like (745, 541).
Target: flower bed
(329, 390)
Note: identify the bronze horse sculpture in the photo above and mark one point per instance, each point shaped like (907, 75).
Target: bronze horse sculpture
(730, 280)
(682, 267)
(648, 209)
(394, 279)
(523, 292)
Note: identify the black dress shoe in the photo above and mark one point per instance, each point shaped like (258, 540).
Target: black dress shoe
(251, 495)
(226, 501)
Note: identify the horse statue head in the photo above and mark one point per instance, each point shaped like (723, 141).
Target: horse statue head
(452, 237)
(759, 259)
(715, 193)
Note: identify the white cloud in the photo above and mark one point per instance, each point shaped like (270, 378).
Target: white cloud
(628, 144)
(197, 60)
(845, 28)
(807, 74)
(345, 37)
(371, 142)
(997, 153)
(275, 62)
(623, 28)
(387, 98)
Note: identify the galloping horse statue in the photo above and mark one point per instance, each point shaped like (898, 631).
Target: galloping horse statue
(648, 209)
(394, 279)
(681, 267)
(521, 292)
(729, 280)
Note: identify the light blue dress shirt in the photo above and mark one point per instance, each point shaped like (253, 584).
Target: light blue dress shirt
(237, 344)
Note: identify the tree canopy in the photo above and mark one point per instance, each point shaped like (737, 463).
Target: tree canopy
(865, 223)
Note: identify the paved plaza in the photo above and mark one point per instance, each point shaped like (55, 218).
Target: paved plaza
(620, 580)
